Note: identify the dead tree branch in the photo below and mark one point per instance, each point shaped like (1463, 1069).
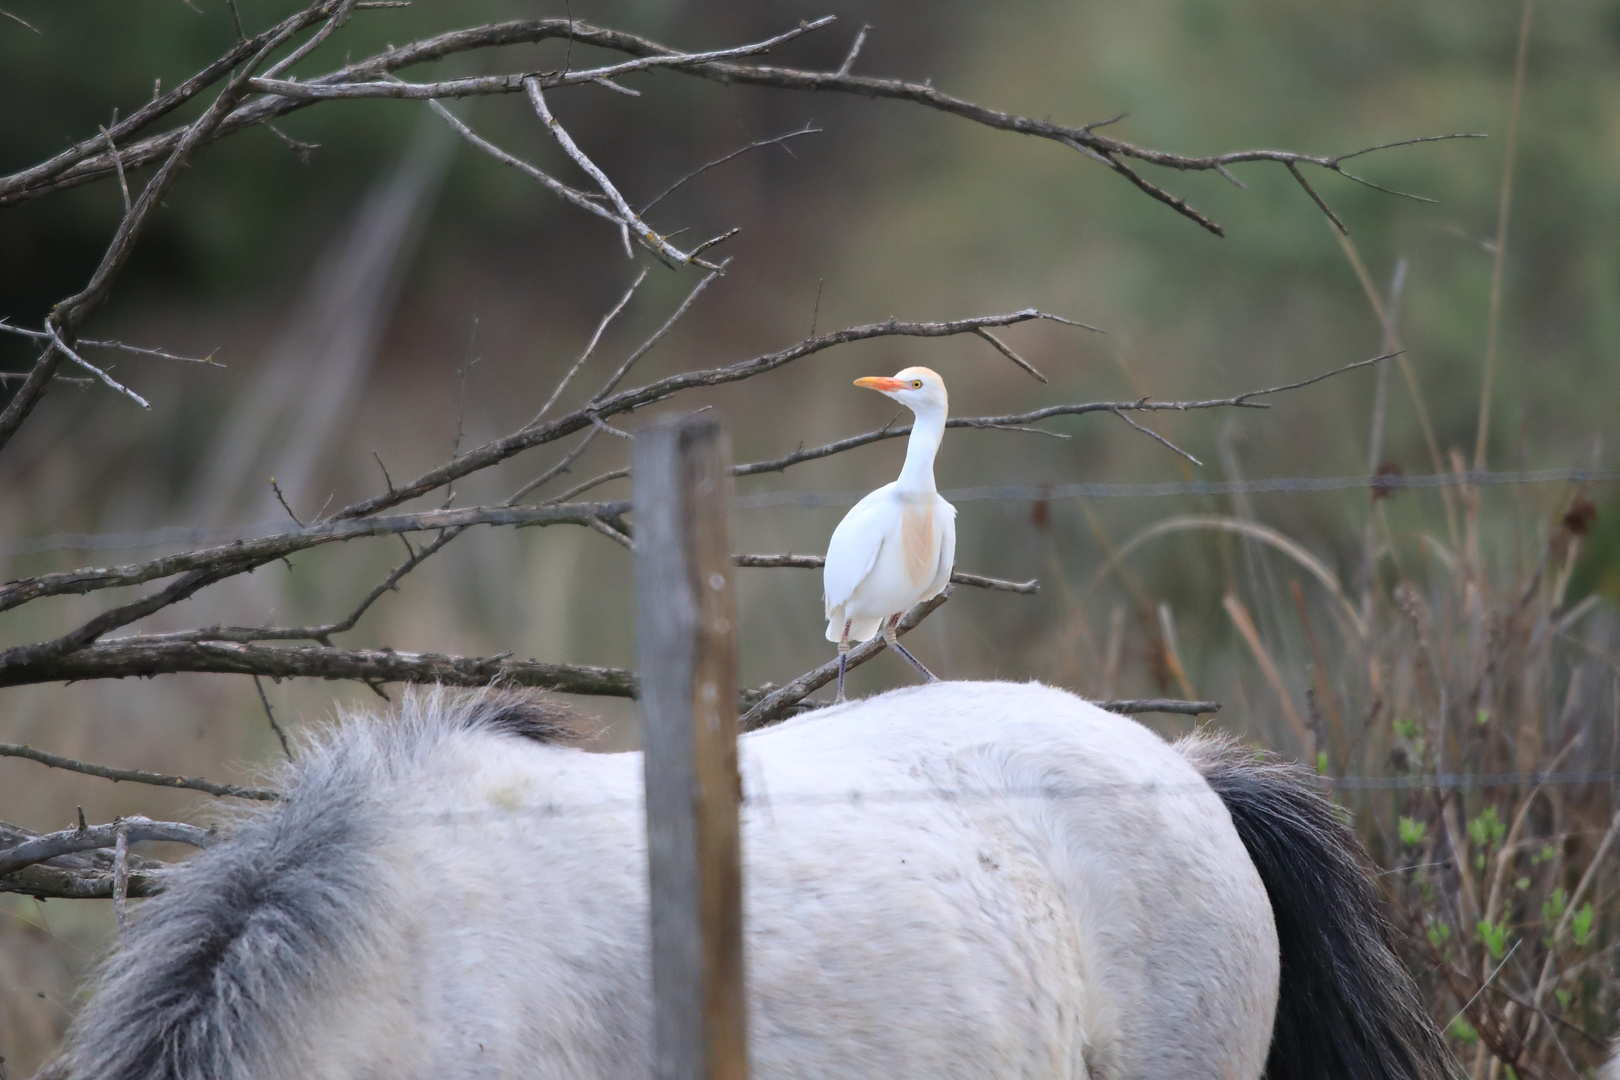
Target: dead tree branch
(134, 776)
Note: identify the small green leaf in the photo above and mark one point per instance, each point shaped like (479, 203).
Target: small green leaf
(1581, 925)
(1522, 883)
(1483, 718)
(1407, 729)
(1439, 933)
(1564, 996)
(1412, 831)
(1463, 1032)
(1494, 937)
(1488, 829)
(1321, 763)
(1552, 908)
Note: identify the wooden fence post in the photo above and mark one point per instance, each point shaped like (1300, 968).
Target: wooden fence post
(686, 652)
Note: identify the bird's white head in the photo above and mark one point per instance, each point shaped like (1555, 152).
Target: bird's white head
(919, 389)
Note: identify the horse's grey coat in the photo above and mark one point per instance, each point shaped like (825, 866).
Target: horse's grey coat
(958, 880)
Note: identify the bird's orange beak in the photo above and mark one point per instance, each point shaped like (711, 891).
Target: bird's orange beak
(881, 382)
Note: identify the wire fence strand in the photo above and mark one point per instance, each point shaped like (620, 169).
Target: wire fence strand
(189, 536)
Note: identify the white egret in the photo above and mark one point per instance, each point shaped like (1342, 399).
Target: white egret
(895, 548)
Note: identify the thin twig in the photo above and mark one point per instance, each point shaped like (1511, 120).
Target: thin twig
(701, 169)
(556, 470)
(590, 347)
(854, 51)
(270, 715)
(120, 896)
(282, 499)
(24, 22)
(134, 776)
(658, 335)
(1320, 202)
(108, 380)
(1009, 354)
(118, 163)
(44, 335)
(1160, 438)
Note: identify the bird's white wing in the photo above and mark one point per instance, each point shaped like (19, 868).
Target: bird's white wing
(945, 525)
(855, 544)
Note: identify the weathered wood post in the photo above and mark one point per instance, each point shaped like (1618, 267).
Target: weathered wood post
(686, 649)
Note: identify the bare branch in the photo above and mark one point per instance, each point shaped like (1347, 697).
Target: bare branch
(701, 169)
(556, 470)
(21, 21)
(45, 335)
(111, 383)
(1160, 705)
(779, 704)
(1001, 348)
(118, 163)
(54, 882)
(816, 562)
(133, 657)
(1325, 208)
(338, 18)
(628, 219)
(69, 841)
(69, 313)
(270, 715)
(646, 346)
(324, 89)
(572, 195)
(134, 776)
(1018, 421)
(1160, 438)
(34, 181)
(352, 80)
(245, 554)
(590, 347)
(84, 875)
(854, 51)
(628, 400)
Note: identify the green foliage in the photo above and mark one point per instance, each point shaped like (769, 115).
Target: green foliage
(1487, 829)
(1439, 933)
(1463, 1032)
(1494, 937)
(1412, 831)
(1580, 927)
(1552, 908)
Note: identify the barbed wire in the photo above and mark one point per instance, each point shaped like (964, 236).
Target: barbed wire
(191, 535)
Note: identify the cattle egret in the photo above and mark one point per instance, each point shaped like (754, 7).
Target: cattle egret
(895, 548)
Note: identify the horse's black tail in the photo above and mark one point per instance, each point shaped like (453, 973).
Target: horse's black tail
(1347, 1009)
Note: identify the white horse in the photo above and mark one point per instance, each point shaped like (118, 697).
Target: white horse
(956, 880)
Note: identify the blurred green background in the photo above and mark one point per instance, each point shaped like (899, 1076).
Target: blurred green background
(361, 304)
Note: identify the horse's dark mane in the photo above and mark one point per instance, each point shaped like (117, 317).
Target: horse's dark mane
(1347, 1007)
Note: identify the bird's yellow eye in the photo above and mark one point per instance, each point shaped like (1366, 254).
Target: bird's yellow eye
(916, 384)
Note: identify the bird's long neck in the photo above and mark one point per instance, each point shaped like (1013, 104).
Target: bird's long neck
(918, 474)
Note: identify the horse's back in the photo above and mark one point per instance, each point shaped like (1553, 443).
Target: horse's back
(955, 880)
(1015, 880)
(958, 880)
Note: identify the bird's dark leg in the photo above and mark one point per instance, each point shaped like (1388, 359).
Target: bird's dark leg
(893, 641)
(843, 661)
